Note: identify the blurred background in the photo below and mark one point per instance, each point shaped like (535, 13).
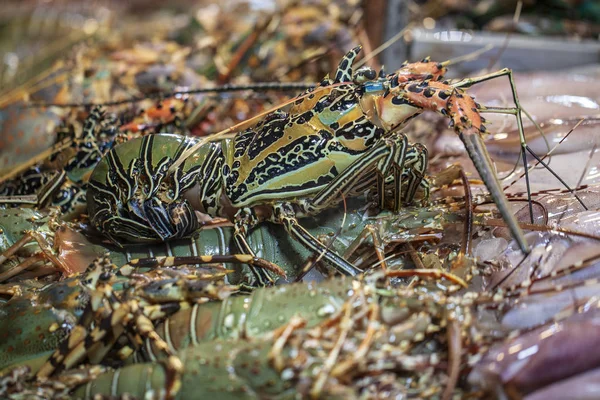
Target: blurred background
(526, 35)
(98, 51)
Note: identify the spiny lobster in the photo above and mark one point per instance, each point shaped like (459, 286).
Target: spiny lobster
(31, 317)
(337, 140)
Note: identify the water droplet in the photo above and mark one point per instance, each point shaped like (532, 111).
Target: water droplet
(228, 321)
(287, 374)
(326, 310)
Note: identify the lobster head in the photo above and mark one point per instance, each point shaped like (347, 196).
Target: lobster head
(385, 105)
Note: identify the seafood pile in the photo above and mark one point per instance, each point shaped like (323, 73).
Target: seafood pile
(174, 223)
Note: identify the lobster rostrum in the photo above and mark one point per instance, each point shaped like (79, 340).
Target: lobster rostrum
(336, 140)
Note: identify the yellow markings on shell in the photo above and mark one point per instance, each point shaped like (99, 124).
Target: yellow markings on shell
(125, 352)
(352, 115)
(127, 269)
(166, 261)
(308, 103)
(71, 358)
(97, 334)
(310, 172)
(154, 312)
(305, 177)
(77, 335)
(291, 134)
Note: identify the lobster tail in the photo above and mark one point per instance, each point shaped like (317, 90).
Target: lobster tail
(169, 220)
(133, 196)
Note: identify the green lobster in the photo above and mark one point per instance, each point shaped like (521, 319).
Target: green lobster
(344, 331)
(266, 241)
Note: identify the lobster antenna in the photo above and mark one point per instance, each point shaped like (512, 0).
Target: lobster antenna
(469, 56)
(260, 86)
(384, 46)
(516, 17)
(587, 165)
(242, 125)
(466, 247)
(493, 61)
(516, 111)
(35, 83)
(306, 268)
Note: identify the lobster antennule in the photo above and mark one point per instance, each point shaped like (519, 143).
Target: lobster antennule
(477, 152)
(469, 125)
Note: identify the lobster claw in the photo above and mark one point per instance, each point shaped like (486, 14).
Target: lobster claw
(481, 159)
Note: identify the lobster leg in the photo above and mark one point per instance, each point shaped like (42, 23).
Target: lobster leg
(25, 265)
(378, 245)
(46, 250)
(397, 145)
(392, 155)
(103, 303)
(516, 111)
(418, 158)
(468, 123)
(104, 335)
(285, 215)
(246, 219)
(115, 320)
(157, 262)
(379, 249)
